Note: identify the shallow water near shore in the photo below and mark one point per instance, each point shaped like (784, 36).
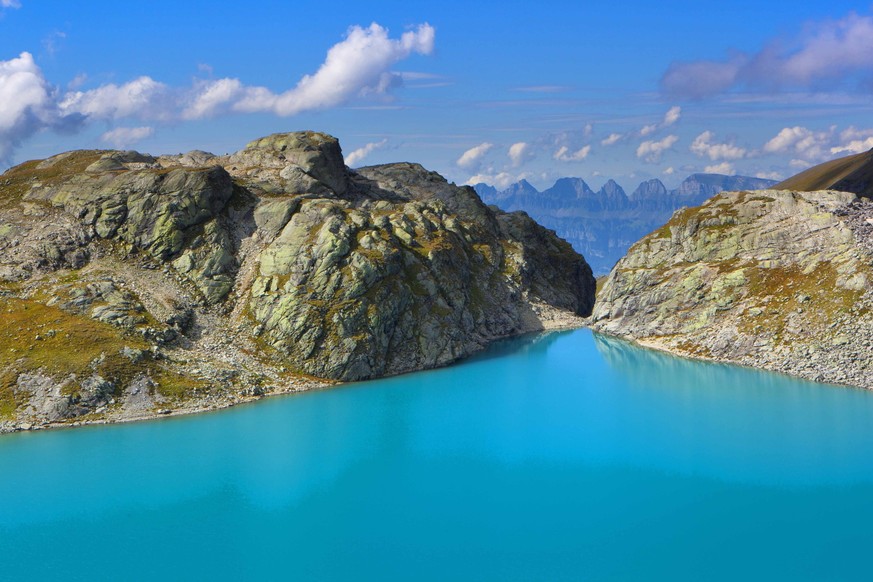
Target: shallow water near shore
(566, 456)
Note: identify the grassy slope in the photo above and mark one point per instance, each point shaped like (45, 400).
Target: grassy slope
(852, 174)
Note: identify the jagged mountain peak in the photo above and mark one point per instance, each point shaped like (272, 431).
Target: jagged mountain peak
(521, 187)
(649, 189)
(612, 188)
(570, 187)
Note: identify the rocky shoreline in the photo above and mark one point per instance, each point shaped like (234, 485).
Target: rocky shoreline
(548, 320)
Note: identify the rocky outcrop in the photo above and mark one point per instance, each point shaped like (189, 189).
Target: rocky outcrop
(135, 285)
(772, 279)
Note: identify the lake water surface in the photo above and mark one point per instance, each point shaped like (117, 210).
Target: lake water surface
(559, 457)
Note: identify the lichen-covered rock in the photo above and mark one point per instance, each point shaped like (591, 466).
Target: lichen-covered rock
(174, 215)
(294, 163)
(133, 284)
(771, 279)
(409, 272)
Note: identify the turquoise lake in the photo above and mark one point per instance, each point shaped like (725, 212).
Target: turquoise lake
(564, 456)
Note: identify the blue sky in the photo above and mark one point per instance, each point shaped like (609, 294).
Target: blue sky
(476, 91)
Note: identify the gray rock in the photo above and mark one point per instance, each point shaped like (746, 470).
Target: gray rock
(769, 279)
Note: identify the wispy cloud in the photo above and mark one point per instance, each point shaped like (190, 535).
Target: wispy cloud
(362, 152)
(10, 4)
(53, 41)
(670, 118)
(838, 53)
(122, 137)
(543, 89)
(420, 80)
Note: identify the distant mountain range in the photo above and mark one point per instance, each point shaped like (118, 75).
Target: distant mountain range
(602, 225)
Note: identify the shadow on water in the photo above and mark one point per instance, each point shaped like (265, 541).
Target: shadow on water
(537, 341)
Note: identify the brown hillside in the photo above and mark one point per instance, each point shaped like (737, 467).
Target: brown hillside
(849, 174)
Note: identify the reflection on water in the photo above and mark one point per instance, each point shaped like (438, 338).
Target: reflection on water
(740, 423)
(554, 456)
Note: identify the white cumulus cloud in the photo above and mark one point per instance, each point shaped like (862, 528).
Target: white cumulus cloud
(648, 129)
(722, 168)
(519, 153)
(704, 147)
(672, 116)
(472, 156)
(26, 102)
(652, 150)
(362, 152)
(854, 147)
(565, 155)
(357, 66)
(805, 143)
(500, 180)
(854, 141)
(612, 139)
(122, 137)
(209, 98)
(143, 98)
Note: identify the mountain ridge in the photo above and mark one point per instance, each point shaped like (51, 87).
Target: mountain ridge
(602, 225)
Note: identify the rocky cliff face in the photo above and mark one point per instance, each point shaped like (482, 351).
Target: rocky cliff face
(131, 284)
(772, 279)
